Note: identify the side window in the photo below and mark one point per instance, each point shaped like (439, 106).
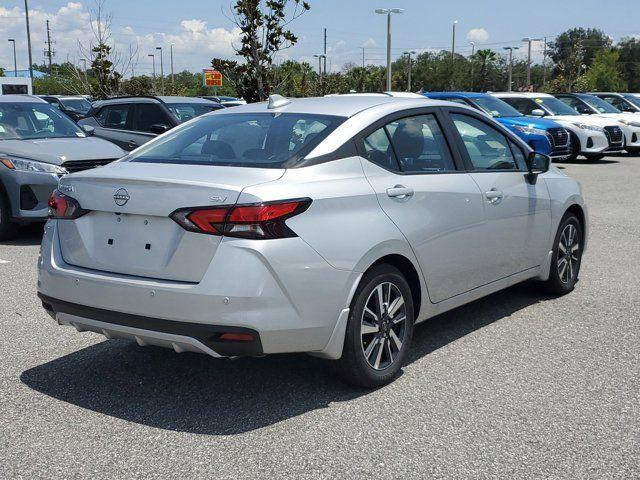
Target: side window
(420, 145)
(488, 149)
(146, 115)
(519, 155)
(576, 104)
(378, 150)
(113, 116)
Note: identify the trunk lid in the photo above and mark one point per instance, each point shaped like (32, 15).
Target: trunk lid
(128, 230)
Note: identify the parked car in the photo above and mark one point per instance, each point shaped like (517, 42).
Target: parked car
(542, 135)
(587, 104)
(591, 137)
(75, 107)
(132, 121)
(38, 145)
(226, 101)
(320, 225)
(625, 102)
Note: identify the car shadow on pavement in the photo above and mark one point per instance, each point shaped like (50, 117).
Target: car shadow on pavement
(27, 235)
(197, 394)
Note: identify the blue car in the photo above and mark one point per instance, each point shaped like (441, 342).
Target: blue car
(544, 136)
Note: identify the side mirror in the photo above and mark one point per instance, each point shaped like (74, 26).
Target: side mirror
(537, 112)
(88, 129)
(159, 128)
(538, 163)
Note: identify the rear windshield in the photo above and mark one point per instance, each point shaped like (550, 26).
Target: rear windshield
(267, 140)
(78, 105)
(599, 104)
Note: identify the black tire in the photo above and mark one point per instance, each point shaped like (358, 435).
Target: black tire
(353, 366)
(8, 229)
(575, 147)
(594, 157)
(564, 270)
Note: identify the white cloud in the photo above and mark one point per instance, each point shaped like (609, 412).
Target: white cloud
(195, 43)
(479, 35)
(369, 42)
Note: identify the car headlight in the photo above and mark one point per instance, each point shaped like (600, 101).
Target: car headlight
(529, 130)
(24, 165)
(630, 123)
(593, 128)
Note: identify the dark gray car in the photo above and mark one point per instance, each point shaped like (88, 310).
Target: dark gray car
(132, 121)
(38, 145)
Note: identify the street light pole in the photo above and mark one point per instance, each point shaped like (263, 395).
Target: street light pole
(409, 53)
(453, 40)
(473, 52)
(161, 71)
(26, 14)
(153, 59)
(529, 40)
(15, 61)
(388, 12)
(511, 49)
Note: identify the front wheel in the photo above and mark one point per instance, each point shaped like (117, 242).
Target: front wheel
(567, 256)
(379, 329)
(7, 229)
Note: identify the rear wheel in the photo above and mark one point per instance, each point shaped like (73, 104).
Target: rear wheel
(8, 229)
(567, 256)
(379, 329)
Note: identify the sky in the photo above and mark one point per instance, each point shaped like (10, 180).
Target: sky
(202, 29)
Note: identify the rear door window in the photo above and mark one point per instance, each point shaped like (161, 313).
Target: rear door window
(148, 114)
(114, 116)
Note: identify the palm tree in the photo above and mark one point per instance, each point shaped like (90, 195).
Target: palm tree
(487, 57)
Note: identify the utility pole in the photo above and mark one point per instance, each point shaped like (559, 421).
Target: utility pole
(153, 59)
(529, 40)
(409, 76)
(15, 61)
(161, 71)
(544, 64)
(453, 51)
(171, 57)
(26, 14)
(48, 52)
(388, 12)
(325, 52)
(511, 49)
(473, 52)
(362, 56)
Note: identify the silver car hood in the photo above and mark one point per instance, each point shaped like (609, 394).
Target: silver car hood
(59, 150)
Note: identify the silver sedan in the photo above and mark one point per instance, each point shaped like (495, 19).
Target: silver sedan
(325, 225)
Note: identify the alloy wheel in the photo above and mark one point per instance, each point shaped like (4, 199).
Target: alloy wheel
(568, 253)
(383, 326)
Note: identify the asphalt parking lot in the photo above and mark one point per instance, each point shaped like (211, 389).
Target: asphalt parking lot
(517, 385)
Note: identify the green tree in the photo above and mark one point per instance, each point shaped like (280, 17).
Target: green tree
(629, 62)
(604, 74)
(263, 26)
(1, 72)
(139, 85)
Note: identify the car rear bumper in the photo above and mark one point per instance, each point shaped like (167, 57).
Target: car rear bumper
(283, 291)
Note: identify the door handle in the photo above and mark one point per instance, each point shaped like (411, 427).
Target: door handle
(494, 196)
(400, 191)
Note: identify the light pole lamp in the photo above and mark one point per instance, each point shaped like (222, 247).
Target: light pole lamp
(511, 49)
(388, 12)
(320, 57)
(408, 54)
(15, 61)
(161, 71)
(528, 41)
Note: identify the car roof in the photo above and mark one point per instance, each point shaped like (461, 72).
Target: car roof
(457, 94)
(522, 94)
(337, 105)
(21, 99)
(616, 94)
(177, 99)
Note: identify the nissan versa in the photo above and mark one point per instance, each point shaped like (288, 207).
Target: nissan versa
(323, 225)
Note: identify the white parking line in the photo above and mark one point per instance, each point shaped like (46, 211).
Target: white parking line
(4, 261)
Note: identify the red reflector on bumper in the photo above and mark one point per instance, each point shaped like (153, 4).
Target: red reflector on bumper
(237, 337)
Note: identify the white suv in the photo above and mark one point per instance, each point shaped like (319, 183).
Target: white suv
(591, 137)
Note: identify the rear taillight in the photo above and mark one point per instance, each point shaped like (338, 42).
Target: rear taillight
(64, 207)
(256, 221)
